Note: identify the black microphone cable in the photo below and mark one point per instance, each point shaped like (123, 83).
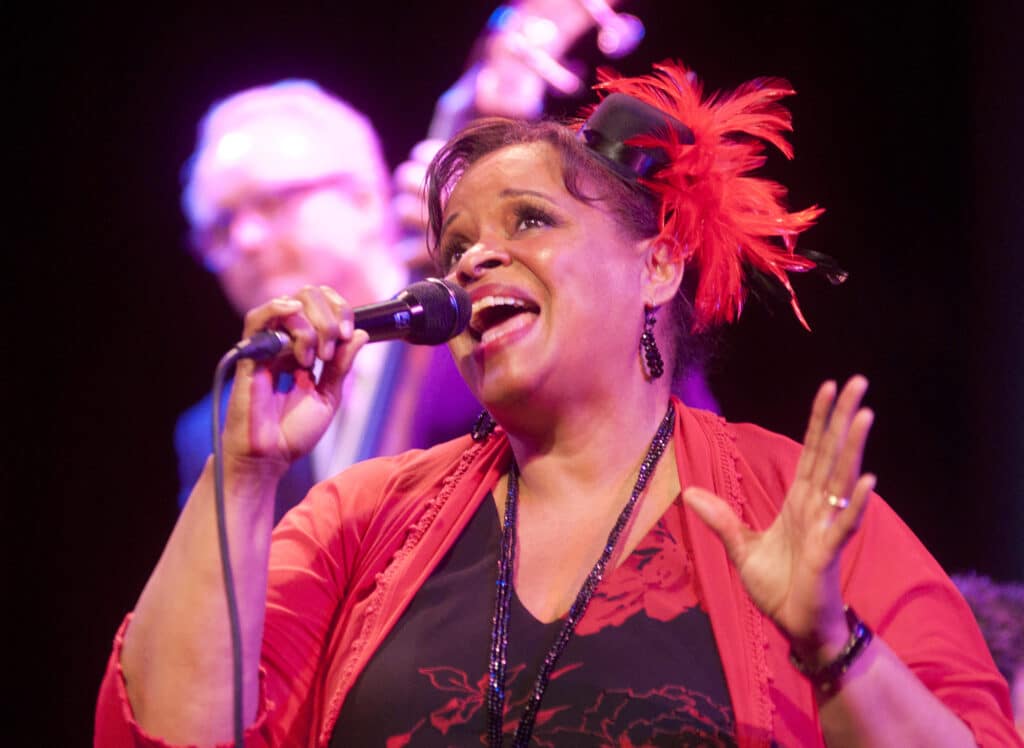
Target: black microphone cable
(437, 311)
(219, 376)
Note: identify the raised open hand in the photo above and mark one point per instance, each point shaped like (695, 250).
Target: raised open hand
(275, 423)
(791, 570)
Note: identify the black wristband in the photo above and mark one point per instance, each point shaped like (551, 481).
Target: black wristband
(826, 679)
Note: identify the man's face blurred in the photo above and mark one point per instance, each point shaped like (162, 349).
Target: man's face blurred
(282, 210)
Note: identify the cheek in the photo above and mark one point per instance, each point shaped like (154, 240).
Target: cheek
(460, 347)
(325, 227)
(345, 223)
(593, 277)
(599, 292)
(243, 287)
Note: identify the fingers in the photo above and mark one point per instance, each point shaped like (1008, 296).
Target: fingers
(409, 203)
(847, 466)
(260, 318)
(722, 520)
(317, 319)
(820, 410)
(835, 436)
(333, 376)
(835, 490)
(844, 522)
(327, 313)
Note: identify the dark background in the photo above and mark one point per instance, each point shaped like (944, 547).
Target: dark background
(908, 123)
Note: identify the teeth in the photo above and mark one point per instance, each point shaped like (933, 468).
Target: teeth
(492, 301)
(482, 318)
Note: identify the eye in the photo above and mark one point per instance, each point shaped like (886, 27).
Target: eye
(532, 217)
(452, 250)
(216, 233)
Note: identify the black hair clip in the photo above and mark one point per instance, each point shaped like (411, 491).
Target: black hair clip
(619, 118)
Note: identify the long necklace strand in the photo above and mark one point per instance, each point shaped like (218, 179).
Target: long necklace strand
(499, 624)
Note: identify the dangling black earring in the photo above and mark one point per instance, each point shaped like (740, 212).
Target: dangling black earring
(483, 427)
(649, 346)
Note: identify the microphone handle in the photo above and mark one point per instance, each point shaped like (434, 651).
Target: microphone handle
(385, 320)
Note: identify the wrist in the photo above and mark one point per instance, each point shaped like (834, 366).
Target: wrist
(251, 475)
(821, 645)
(826, 665)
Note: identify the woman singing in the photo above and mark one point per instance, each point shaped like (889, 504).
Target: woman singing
(597, 564)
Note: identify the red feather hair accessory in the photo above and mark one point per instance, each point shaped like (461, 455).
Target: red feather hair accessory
(731, 225)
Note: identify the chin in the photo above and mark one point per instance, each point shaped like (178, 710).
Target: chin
(513, 387)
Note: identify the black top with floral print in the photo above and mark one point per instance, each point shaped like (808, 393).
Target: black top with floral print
(641, 670)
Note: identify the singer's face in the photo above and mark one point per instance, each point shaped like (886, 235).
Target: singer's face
(555, 282)
(272, 236)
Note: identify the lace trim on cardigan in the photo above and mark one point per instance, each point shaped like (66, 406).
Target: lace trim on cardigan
(725, 439)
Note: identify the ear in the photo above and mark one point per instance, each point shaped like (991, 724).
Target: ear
(662, 271)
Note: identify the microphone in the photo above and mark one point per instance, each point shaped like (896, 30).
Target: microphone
(428, 312)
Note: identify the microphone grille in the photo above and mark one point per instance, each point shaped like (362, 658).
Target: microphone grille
(446, 311)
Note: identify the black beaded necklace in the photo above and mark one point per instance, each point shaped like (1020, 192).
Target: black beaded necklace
(499, 629)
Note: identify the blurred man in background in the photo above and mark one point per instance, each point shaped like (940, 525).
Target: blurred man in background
(288, 187)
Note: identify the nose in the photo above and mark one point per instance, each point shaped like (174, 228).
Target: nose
(478, 259)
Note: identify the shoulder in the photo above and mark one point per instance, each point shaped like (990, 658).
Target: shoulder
(750, 440)
(770, 455)
(761, 457)
(198, 411)
(758, 440)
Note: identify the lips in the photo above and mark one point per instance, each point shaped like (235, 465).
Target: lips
(497, 311)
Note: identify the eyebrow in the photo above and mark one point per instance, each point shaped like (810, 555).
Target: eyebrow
(505, 193)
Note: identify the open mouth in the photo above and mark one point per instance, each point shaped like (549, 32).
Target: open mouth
(494, 314)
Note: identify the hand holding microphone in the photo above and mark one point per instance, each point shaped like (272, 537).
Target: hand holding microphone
(267, 419)
(429, 312)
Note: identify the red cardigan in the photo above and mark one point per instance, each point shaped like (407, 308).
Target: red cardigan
(346, 562)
